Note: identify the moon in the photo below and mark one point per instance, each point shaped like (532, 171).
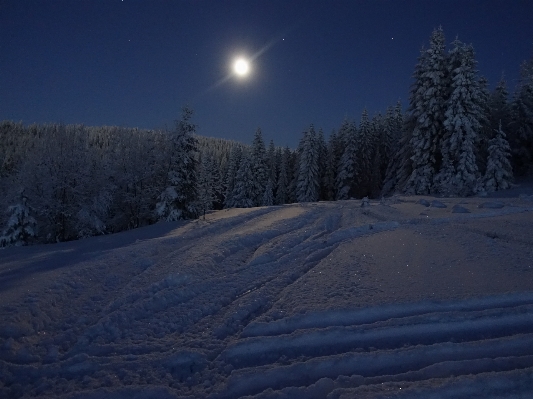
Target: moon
(241, 67)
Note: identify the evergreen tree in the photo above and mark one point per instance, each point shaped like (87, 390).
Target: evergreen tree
(282, 192)
(322, 160)
(272, 166)
(485, 133)
(206, 181)
(499, 173)
(428, 103)
(308, 185)
(400, 167)
(177, 200)
(379, 154)
(387, 142)
(464, 115)
(332, 162)
(346, 182)
(389, 147)
(499, 109)
(245, 188)
(259, 167)
(365, 156)
(21, 226)
(294, 164)
(268, 196)
(233, 167)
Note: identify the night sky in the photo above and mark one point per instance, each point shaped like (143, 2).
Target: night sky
(137, 63)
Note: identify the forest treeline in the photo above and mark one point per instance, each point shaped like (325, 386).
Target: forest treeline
(457, 138)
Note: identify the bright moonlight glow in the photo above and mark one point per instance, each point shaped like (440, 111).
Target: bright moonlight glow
(241, 67)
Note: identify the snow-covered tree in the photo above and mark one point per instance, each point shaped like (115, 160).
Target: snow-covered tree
(136, 164)
(177, 200)
(346, 182)
(21, 226)
(206, 182)
(464, 116)
(268, 195)
(308, 185)
(233, 167)
(333, 156)
(245, 188)
(272, 165)
(499, 173)
(322, 160)
(282, 192)
(365, 155)
(259, 167)
(428, 102)
(379, 156)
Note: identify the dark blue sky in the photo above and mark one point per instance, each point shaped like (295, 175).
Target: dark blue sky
(136, 63)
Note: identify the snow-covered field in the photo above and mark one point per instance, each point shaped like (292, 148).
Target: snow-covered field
(318, 300)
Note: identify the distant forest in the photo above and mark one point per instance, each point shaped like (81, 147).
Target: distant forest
(456, 138)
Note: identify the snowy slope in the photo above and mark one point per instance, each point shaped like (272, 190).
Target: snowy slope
(318, 300)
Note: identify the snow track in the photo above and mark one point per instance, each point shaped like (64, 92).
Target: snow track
(275, 302)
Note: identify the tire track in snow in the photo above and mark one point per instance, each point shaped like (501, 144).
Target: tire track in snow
(493, 334)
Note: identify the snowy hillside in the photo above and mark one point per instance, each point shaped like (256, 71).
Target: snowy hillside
(317, 300)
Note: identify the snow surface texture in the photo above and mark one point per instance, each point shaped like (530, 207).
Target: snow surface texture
(396, 299)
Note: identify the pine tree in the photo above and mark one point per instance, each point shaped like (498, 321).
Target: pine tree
(244, 189)
(346, 182)
(177, 200)
(21, 226)
(428, 103)
(282, 192)
(459, 173)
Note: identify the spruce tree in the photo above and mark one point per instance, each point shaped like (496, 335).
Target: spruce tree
(499, 173)
(268, 195)
(464, 116)
(378, 160)
(177, 200)
(322, 161)
(259, 167)
(282, 192)
(332, 162)
(272, 166)
(206, 185)
(233, 167)
(365, 155)
(427, 106)
(347, 173)
(244, 190)
(308, 186)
